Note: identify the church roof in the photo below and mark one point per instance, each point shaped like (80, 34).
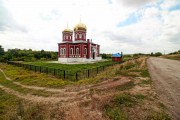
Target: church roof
(80, 26)
(67, 30)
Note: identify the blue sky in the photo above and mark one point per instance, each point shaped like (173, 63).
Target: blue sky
(175, 7)
(132, 19)
(128, 26)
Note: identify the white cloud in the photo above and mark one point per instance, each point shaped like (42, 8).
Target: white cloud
(38, 24)
(134, 3)
(169, 3)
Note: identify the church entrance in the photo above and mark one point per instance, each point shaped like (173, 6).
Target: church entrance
(93, 55)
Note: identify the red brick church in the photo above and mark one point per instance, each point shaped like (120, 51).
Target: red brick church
(75, 48)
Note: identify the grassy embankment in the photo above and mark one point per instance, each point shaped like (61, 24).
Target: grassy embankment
(136, 100)
(9, 84)
(173, 57)
(12, 106)
(28, 77)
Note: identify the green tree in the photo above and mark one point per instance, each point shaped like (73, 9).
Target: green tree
(1, 51)
(158, 54)
(152, 54)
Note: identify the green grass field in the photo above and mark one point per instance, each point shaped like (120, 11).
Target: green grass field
(71, 67)
(71, 71)
(28, 77)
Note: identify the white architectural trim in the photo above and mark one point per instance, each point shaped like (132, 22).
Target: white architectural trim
(67, 60)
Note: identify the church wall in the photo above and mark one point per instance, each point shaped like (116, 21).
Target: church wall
(77, 35)
(67, 37)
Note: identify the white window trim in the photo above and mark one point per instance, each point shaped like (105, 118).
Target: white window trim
(80, 35)
(71, 51)
(61, 51)
(85, 51)
(64, 51)
(77, 51)
(76, 36)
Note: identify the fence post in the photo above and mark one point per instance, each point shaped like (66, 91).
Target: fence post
(40, 69)
(76, 75)
(64, 74)
(46, 70)
(88, 73)
(35, 68)
(54, 71)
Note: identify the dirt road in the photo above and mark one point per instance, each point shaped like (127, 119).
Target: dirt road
(165, 74)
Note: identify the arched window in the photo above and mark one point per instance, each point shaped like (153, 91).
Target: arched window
(64, 51)
(77, 51)
(85, 51)
(80, 35)
(66, 37)
(76, 35)
(70, 37)
(61, 51)
(84, 36)
(71, 51)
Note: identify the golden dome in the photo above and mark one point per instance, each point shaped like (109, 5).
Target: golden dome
(67, 30)
(80, 26)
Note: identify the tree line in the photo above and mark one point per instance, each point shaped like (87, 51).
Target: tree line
(26, 55)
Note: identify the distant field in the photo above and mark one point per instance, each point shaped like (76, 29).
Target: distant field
(173, 57)
(71, 67)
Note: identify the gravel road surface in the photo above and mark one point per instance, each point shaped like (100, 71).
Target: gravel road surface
(165, 74)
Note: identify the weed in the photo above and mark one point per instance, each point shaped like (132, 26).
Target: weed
(7, 106)
(20, 89)
(162, 105)
(31, 78)
(34, 112)
(140, 96)
(134, 68)
(124, 100)
(20, 110)
(146, 81)
(127, 86)
(158, 116)
(115, 113)
(129, 66)
(145, 73)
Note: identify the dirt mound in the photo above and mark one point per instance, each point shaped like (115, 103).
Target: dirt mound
(113, 83)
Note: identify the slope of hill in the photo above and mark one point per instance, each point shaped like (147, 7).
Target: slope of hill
(120, 92)
(173, 56)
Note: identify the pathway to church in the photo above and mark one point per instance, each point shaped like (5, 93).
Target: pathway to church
(165, 74)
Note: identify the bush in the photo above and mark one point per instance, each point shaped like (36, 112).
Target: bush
(158, 54)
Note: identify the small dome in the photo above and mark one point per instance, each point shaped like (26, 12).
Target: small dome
(80, 26)
(67, 30)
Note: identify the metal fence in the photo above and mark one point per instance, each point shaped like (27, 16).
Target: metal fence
(64, 74)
